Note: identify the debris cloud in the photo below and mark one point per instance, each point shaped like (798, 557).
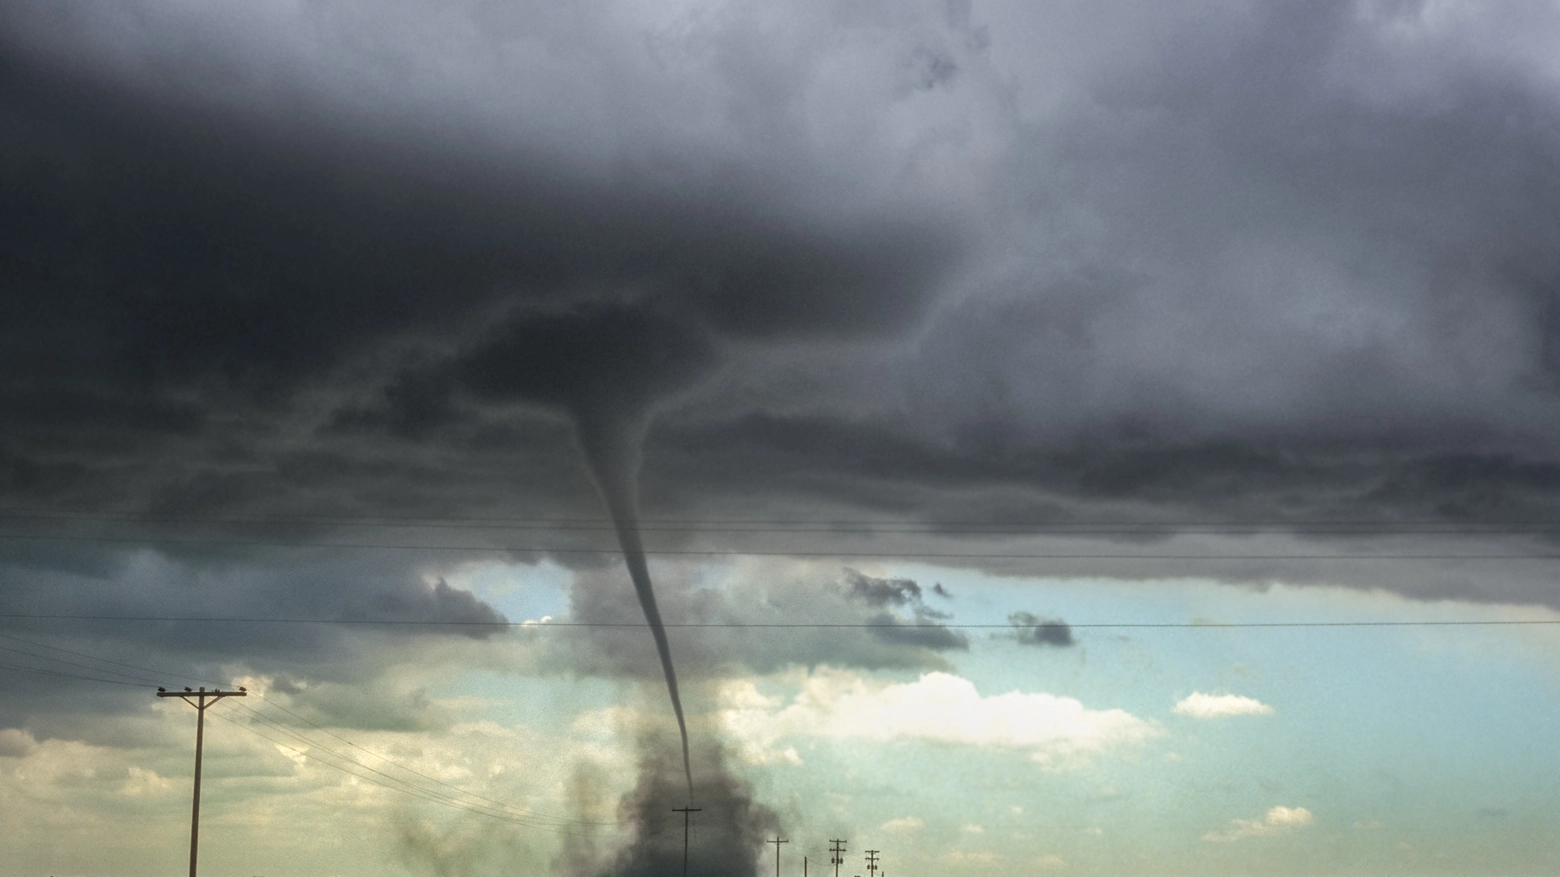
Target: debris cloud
(725, 837)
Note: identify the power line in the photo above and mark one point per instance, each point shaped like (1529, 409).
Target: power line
(688, 552)
(131, 676)
(783, 625)
(158, 674)
(1409, 525)
(70, 675)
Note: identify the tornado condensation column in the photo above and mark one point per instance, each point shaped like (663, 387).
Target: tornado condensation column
(612, 451)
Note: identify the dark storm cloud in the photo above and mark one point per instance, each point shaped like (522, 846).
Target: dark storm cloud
(919, 629)
(1346, 241)
(919, 632)
(883, 592)
(1300, 486)
(1036, 631)
(247, 291)
(178, 269)
(172, 249)
(588, 359)
(1142, 264)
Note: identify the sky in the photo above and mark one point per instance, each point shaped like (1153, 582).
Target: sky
(1084, 438)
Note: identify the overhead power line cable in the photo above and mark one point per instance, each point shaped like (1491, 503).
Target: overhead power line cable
(781, 625)
(686, 552)
(71, 675)
(157, 676)
(932, 525)
(132, 678)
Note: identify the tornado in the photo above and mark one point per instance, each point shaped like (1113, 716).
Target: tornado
(611, 451)
(605, 365)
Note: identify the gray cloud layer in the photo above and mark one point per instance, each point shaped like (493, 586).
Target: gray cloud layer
(1145, 266)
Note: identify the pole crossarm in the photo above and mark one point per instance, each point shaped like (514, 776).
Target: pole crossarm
(202, 695)
(777, 842)
(837, 857)
(686, 811)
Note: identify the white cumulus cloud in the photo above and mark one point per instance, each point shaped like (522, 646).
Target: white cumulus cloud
(903, 825)
(937, 707)
(1212, 706)
(1278, 820)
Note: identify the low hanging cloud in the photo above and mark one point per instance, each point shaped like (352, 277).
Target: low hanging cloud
(752, 594)
(1278, 820)
(894, 597)
(883, 591)
(938, 707)
(1217, 706)
(1032, 630)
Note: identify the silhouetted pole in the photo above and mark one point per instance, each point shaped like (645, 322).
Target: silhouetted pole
(685, 811)
(837, 858)
(777, 842)
(871, 861)
(203, 699)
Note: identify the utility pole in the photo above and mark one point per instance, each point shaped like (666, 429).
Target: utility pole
(837, 851)
(777, 842)
(685, 811)
(202, 700)
(871, 862)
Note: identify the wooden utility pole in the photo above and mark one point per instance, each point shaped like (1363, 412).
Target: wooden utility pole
(838, 851)
(685, 811)
(777, 842)
(201, 700)
(871, 862)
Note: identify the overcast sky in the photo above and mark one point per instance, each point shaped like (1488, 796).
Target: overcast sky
(941, 333)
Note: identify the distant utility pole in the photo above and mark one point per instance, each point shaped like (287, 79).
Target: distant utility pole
(202, 699)
(777, 842)
(871, 862)
(838, 851)
(685, 811)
